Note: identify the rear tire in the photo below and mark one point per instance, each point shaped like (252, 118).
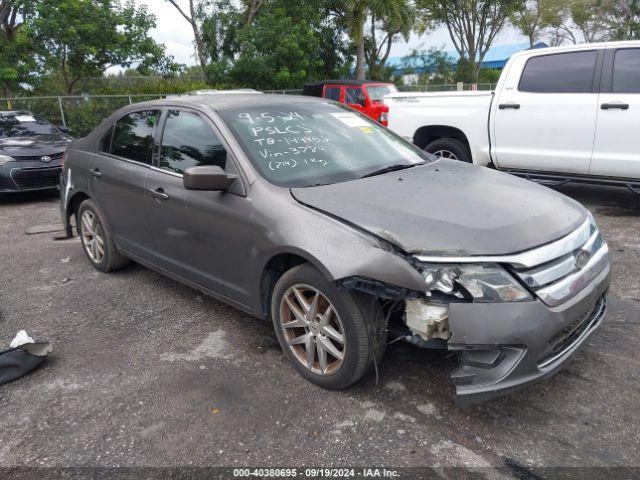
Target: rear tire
(449, 148)
(97, 240)
(352, 320)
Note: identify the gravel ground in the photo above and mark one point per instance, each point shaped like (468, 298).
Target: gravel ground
(147, 372)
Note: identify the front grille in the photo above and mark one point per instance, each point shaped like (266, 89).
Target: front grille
(37, 158)
(572, 334)
(37, 178)
(566, 269)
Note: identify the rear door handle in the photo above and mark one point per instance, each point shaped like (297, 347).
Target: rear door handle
(159, 194)
(614, 105)
(95, 172)
(511, 105)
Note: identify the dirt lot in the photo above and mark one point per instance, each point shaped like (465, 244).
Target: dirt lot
(146, 371)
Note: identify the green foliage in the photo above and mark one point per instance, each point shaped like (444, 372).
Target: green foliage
(435, 62)
(473, 26)
(77, 39)
(287, 43)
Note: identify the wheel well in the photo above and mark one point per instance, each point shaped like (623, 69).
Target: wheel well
(425, 135)
(75, 202)
(272, 272)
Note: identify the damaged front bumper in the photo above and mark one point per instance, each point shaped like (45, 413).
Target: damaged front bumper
(503, 347)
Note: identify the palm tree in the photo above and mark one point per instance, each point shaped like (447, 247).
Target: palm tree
(354, 15)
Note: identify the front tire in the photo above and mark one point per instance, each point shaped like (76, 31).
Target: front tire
(329, 336)
(449, 148)
(97, 240)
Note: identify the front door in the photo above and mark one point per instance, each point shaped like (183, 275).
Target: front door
(117, 176)
(616, 151)
(191, 229)
(547, 121)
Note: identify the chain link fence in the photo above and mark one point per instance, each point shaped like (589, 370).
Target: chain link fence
(83, 113)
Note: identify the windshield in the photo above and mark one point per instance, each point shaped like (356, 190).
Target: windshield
(377, 92)
(315, 143)
(24, 125)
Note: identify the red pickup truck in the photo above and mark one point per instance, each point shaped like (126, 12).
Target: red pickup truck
(363, 95)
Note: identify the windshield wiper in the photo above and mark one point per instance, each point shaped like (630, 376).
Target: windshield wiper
(392, 168)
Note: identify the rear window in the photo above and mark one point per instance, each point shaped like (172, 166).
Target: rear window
(626, 71)
(559, 73)
(25, 125)
(133, 135)
(332, 93)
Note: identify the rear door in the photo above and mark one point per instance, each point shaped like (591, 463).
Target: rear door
(616, 150)
(546, 121)
(117, 176)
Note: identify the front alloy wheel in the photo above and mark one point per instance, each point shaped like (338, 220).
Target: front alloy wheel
(331, 336)
(312, 329)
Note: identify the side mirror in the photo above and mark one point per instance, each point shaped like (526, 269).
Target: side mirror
(207, 177)
(64, 129)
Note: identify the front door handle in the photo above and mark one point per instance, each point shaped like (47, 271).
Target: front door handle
(615, 105)
(511, 105)
(95, 172)
(159, 194)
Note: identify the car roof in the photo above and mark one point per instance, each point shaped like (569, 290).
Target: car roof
(346, 82)
(535, 52)
(231, 100)
(7, 113)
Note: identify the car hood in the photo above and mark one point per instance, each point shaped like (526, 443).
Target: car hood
(34, 145)
(450, 208)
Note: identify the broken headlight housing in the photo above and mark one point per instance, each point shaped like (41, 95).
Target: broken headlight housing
(480, 283)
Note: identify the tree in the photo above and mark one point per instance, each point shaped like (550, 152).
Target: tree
(16, 49)
(592, 18)
(78, 39)
(472, 24)
(353, 15)
(195, 13)
(287, 43)
(533, 17)
(435, 62)
(386, 24)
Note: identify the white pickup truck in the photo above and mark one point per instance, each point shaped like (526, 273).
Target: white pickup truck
(557, 114)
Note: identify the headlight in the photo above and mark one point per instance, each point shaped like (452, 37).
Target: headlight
(484, 283)
(4, 159)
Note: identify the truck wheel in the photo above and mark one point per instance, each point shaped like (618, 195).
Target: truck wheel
(449, 148)
(97, 240)
(328, 335)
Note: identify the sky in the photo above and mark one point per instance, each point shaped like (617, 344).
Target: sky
(175, 33)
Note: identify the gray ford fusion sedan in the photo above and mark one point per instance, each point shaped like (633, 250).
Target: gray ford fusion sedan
(303, 212)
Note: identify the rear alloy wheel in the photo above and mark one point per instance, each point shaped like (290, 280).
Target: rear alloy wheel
(97, 240)
(450, 149)
(330, 336)
(92, 237)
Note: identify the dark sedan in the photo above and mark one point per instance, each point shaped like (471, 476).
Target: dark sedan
(31, 151)
(309, 214)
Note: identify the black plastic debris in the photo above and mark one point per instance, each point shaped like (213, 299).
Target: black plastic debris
(17, 362)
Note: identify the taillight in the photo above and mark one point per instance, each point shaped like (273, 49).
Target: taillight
(384, 119)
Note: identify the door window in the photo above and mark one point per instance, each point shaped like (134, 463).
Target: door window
(626, 71)
(188, 141)
(355, 96)
(559, 73)
(332, 93)
(133, 136)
